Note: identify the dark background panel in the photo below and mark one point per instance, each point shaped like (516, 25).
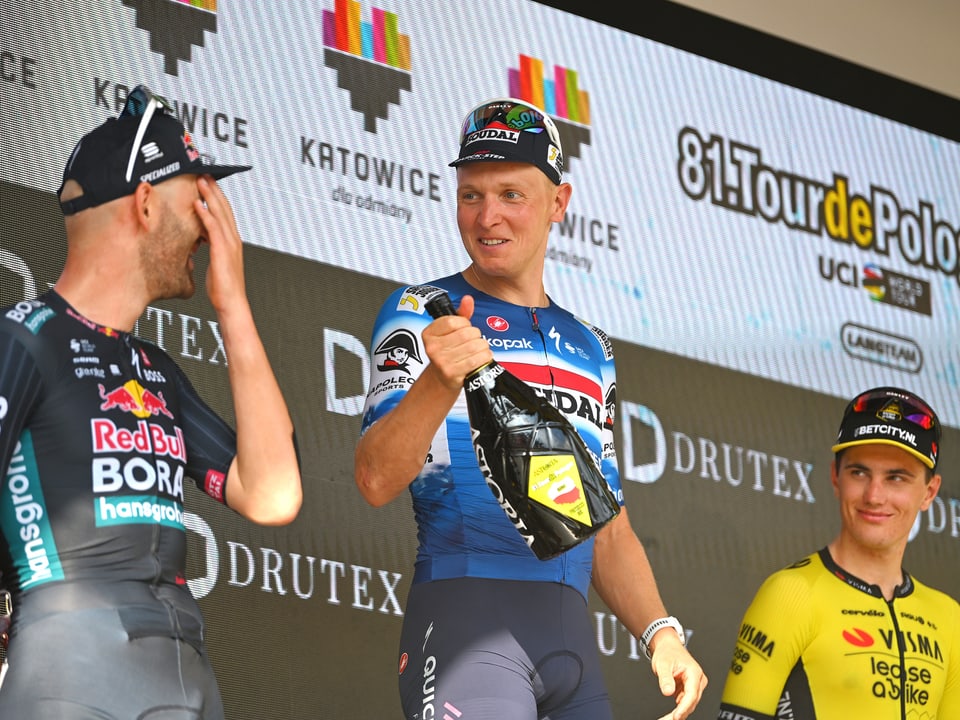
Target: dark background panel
(303, 621)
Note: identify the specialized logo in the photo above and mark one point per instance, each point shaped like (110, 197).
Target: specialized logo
(397, 349)
(554, 335)
(132, 397)
(175, 27)
(560, 96)
(156, 175)
(371, 58)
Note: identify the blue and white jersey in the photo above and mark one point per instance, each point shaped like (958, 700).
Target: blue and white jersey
(462, 531)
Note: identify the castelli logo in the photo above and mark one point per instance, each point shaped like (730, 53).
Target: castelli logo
(497, 323)
(404, 659)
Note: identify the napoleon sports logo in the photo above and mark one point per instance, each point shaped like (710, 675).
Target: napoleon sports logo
(175, 26)
(371, 58)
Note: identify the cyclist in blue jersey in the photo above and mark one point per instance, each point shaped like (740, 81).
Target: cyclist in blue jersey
(99, 431)
(490, 631)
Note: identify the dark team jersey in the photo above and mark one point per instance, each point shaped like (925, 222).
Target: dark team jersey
(462, 531)
(817, 643)
(99, 430)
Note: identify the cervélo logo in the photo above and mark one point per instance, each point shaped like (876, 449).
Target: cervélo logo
(371, 59)
(560, 96)
(175, 26)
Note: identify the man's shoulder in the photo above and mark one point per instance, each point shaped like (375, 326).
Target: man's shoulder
(798, 577)
(930, 595)
(30, 315)
(572, 320)
(413, 298)
(28, 322)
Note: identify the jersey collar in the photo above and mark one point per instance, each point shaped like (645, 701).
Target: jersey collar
(853, 581)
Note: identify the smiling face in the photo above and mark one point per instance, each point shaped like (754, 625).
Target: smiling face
(166, 257)
(881, 489)
(504, 212)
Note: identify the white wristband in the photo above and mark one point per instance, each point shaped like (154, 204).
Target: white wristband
(655, 627)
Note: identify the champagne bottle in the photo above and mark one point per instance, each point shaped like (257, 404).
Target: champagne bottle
(540, 471)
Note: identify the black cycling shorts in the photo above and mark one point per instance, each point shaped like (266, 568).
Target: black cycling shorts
(494, 649)
(82, 664)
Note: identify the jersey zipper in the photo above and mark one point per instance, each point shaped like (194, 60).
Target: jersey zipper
(564, 561)
(902, 654)
(131, 365)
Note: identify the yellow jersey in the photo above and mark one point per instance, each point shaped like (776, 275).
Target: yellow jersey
(819, 643)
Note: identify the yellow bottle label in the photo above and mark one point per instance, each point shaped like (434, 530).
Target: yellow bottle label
(554, 482)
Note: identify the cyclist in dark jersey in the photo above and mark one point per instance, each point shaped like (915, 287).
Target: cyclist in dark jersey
(99, 432)
(846, 632)
(489, 630)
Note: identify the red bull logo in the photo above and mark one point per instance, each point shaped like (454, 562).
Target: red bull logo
(132, 397)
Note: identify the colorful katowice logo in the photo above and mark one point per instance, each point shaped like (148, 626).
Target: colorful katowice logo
(371, 58)
(559, 95)
(175, 26)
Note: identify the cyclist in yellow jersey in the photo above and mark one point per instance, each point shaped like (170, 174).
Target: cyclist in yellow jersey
(846, 632)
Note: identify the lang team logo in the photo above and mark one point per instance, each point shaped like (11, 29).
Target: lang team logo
(175, 26)
(560, 96)
(371, 58)
(132, 397)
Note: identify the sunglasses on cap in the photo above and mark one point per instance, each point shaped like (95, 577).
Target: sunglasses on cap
(142, 103)
(911, 408)
(515, 114)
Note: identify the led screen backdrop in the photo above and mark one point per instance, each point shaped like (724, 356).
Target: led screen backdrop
(761, 241)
